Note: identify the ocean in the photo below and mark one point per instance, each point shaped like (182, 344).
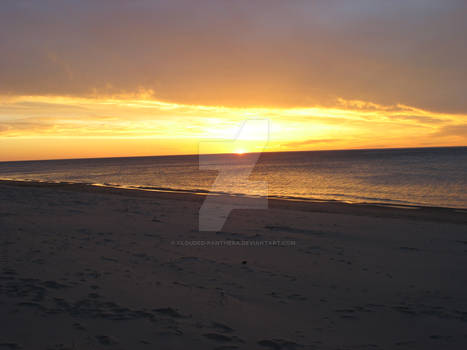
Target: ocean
(413, 177)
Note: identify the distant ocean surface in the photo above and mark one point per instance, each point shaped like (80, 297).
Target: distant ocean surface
(423, 176)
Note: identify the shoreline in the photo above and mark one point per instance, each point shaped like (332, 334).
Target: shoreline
(415, 212)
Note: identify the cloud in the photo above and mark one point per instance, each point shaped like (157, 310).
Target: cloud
(240, 53)
(63, 124)
(310, 142)
(453, 130)
(418, 118)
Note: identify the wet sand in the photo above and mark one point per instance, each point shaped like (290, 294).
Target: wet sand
(86, 267)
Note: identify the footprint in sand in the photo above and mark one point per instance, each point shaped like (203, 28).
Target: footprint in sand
(280, 344)
(106, 340)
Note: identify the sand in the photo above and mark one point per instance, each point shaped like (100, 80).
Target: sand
(99, 268)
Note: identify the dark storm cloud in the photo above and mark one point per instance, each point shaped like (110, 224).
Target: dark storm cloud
(240, 52)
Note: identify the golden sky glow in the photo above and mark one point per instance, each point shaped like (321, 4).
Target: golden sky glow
(44, 127)
(131, 78)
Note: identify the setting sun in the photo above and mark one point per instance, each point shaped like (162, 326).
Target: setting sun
(240, 151)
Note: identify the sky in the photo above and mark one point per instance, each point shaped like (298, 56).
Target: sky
(132, 78)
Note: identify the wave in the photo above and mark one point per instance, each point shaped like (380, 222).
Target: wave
(321, 199)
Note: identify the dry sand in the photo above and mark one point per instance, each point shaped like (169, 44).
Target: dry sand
(96, 268)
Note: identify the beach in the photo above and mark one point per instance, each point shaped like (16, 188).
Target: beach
(88, 267)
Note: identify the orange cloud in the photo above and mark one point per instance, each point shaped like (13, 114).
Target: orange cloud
(115, 120)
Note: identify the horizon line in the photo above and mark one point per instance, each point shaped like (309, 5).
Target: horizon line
(232, 153)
